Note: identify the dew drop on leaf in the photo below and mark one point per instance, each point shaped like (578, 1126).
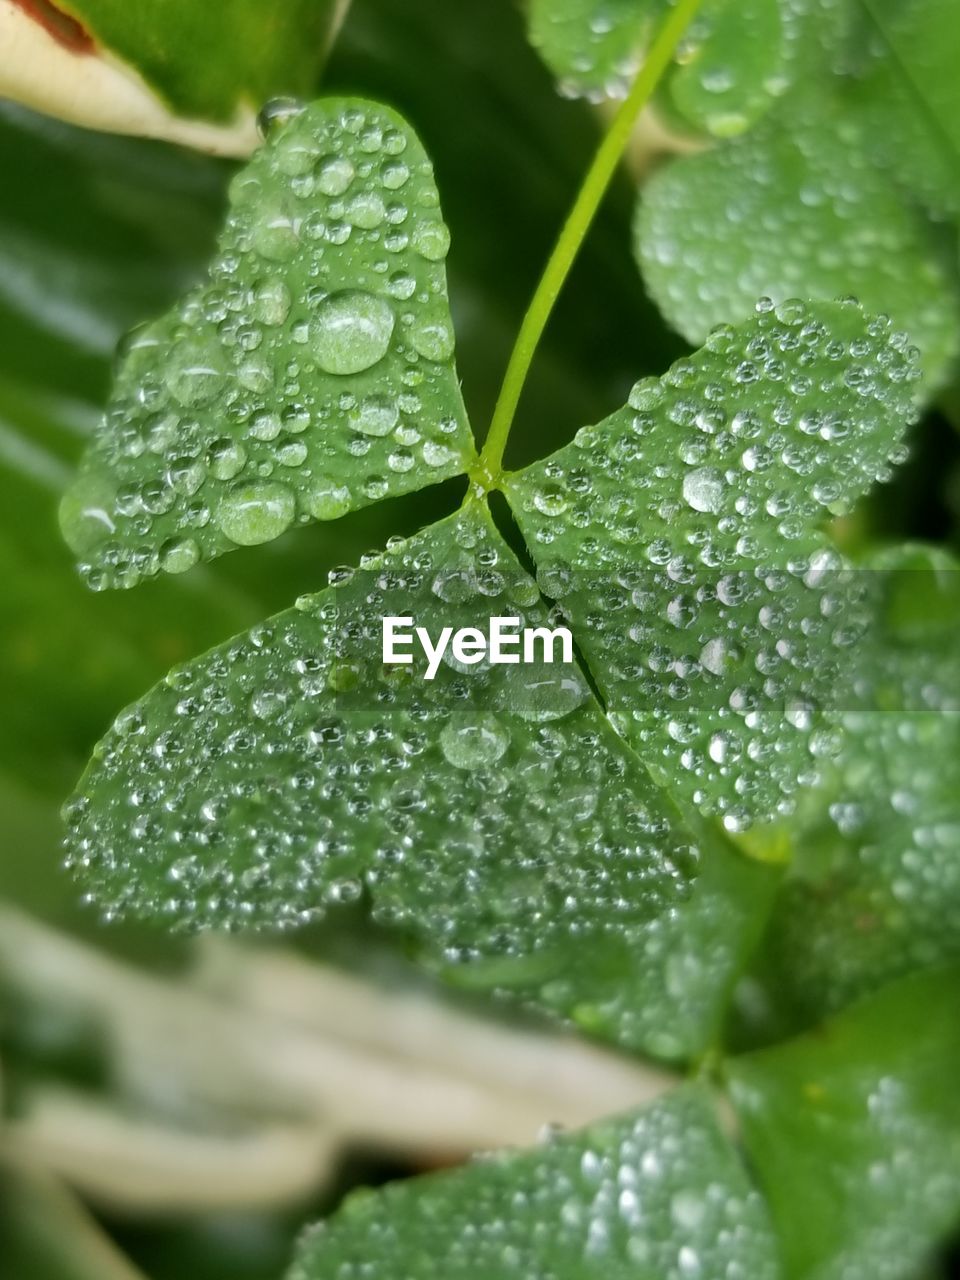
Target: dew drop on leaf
(352, 331)
(256, 512)
(473, 741)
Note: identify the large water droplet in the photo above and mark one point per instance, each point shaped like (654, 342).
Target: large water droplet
(276, 113)
(703, 489)
(334, 175)
(257, 512)
(431, 240)
(375, 416)
(473, 741)
(328, 501)
(539, 693)
(352, 331)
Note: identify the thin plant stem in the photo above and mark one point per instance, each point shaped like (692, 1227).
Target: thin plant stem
(571, 237)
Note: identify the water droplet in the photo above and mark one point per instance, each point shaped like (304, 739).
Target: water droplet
(433, 339)
(375, 415)
(473, 741)
(328, 501)
(334, 175)
(352, 331)
(256, 512)
(540, 693)
(225, 458)
(271, 302)
(177, 555)
(431, 240)
(703, 489)
(276, 113)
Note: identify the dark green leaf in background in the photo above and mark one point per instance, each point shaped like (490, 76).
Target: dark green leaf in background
(908, 92)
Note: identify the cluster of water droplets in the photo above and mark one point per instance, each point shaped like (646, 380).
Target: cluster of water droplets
(681, 537)
(492, 810)
(311, 373)
(655, 1196)
(798, 208)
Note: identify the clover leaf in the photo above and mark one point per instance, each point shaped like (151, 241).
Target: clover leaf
(639, 1197)
(856, 1128)
(796, 208)
(491, 812)
(289, 771)
(682, 538)
(310, 374)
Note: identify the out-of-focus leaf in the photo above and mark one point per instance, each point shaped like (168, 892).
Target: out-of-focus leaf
(875, 889)
(733, 60)
(310, 375)
(681, 537)
(796, 209)
(208, 60)
(854, 1132)
(593, 47)
(910, 96)
(736, 60)
(644, 1197)
(165, 68)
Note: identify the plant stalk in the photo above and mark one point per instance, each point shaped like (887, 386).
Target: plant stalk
(572, 235)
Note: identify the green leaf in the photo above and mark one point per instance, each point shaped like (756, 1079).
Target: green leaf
(592, 47)
(194, 74)
(681, 537)
(910, 98)
(661, 1193)
(818, 36)
(854, 1132)
(734, 62)
(795, 209)
(208, 60)
(311, 374)
(491, 810)
(875, 891)
(289, 771)
(733, 58)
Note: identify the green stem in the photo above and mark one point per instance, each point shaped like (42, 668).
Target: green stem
(571, 237)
